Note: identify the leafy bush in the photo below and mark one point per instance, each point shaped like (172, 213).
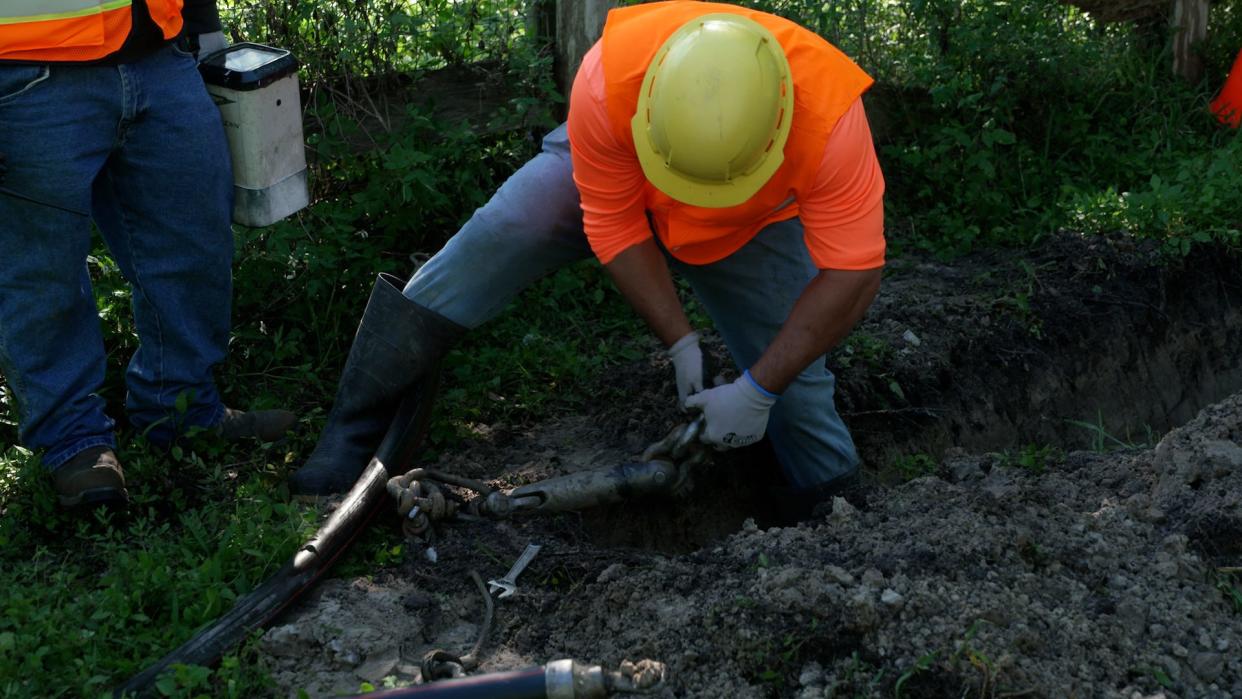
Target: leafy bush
(1197, 204)
(1001, 122)
(340, 40)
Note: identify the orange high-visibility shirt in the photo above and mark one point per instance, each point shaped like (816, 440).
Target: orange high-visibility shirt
(840, 203)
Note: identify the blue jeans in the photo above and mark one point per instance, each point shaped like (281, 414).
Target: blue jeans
(142, 149)
(533, 225)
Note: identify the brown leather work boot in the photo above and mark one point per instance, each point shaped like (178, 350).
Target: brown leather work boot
(263, 425)
(91, 478)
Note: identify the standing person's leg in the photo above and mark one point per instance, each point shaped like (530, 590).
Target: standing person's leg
(57, 130)
(163, 204)
(749, 295)
(531, 226)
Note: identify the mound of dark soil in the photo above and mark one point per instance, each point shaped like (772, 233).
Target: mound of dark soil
(1091, 575)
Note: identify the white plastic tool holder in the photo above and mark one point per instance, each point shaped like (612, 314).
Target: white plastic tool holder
(256, 89)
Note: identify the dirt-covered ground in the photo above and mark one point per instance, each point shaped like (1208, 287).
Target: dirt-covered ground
(1011, 570)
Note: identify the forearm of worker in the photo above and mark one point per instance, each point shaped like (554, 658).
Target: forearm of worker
(827, 310)
(642, 276)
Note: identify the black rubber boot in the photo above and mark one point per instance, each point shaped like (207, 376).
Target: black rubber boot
(397, 344)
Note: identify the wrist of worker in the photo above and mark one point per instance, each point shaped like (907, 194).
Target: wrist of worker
(688, 340)
(749, 379)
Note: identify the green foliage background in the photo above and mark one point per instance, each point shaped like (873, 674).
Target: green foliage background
(999, 122)
(996, 122)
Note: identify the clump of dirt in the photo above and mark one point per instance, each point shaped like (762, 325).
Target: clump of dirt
(1086, 574)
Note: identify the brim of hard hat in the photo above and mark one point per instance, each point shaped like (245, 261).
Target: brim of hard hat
(691, 190)
(695, 192)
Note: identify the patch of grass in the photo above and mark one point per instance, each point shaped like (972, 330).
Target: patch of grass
(923, 663)
(90, 601)
(542, 354)
(911, 466)
(1162, 677)
(978, 661)
(1229, 583)
(1100, 440)
(1032, 457)
(863, 350)
(862, 679)
(871, 356)
(1017, 301)
(781, 660)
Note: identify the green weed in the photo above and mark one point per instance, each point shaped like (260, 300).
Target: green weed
(863, 350)
(1100, 440)
(923, 663)
(862, 679)
(782, 659)
(1032, 457)
(913, 466)
(1229, 582)
(1018, 300)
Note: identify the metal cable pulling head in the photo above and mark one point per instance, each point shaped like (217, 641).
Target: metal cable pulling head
(663, 469)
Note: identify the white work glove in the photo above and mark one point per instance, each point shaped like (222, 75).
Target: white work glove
(735, 414)
(209, 44)
(688, 365)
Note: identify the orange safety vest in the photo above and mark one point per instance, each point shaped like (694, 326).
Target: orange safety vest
(826, 84)
(52, 31)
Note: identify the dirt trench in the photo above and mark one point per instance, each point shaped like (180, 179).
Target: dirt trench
(1072, 574)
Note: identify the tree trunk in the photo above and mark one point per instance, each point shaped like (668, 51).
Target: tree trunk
(1190, 22)
(579, 24)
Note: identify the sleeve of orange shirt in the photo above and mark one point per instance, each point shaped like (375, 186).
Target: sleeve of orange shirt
(843, 214)
(609, 177)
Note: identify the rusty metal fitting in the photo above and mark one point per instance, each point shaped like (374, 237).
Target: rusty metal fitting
(420, 502)
(680, 444)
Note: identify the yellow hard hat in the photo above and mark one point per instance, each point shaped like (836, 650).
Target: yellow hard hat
(714, 111)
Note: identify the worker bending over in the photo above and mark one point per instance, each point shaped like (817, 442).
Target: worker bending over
(726, 144)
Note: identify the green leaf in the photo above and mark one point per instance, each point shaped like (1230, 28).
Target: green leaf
(896, 389)
(1003, 137)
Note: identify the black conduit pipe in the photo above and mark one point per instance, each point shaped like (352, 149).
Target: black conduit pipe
(315, 557)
